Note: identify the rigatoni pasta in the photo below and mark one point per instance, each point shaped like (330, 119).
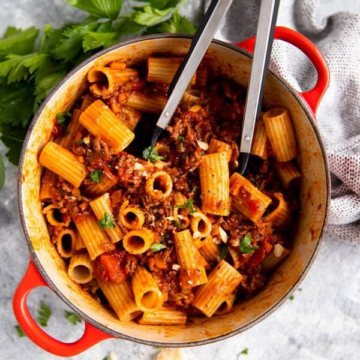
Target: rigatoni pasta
(160, 233)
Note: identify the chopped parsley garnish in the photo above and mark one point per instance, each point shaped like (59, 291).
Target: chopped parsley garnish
(299, 289)
(72, 317)
(223, 250)
(80, 142)
(107, 222)
(292, 297)
(245, 352)
(20, 331)
(44, 314)
(157, 247)
(189, 205)
(184, 156)
(194, 189)
(177, 223)
(245, 245)
(95, 176)
(63, 118)
(151, 154)
(180, 138)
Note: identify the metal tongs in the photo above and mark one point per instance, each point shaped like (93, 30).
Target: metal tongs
(263, 45)
(200, 43)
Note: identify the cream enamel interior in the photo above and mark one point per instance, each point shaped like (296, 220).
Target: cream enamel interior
(308, 229)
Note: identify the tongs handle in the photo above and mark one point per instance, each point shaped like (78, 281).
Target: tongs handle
(186, 70)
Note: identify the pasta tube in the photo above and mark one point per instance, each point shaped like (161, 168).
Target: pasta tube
(63, 163)
(138, 241)
(153, 104)
(209, 250)
(47, 184)
(148, 296)
(287, 173)
(227, 305)
(222, 281)
(108, 181)
(247, 199)
(131, 217)
(55, 217)
(274, 258)
(79, 242)
(87, 101)
(73, 129)
(163, 70)
(163, 316)
(200, 225)
(260, 142)
(281, 216)
(102, 208)
(66, 243)
(95, 239)
(105, 80)
(217, 146)
(191, 272)
(101, 121)
(159, 185)
(130, 117)
(214, 182)
(80, 269)
(281, 134)
(121, 299)
(236, 256)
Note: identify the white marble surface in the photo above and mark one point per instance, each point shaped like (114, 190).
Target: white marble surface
(322, 322)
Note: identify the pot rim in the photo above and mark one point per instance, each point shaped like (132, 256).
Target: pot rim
(88, 319)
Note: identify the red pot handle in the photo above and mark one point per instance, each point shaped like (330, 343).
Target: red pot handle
(312, 97)
(32, 280)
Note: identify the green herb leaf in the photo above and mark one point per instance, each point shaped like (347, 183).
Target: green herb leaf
(180, 138)
(151, 154)
(176, 24)
(155, 247)
(72, 317)
(94, 40)
(299, 289)
(44, 313)
(2, 172)
(177, 223)
(107, 222)
(184, 156)
(18, 42)
(189, 205)
(245, 245)
(20, 331)
(99, 8)
(223, 250)
(95, 176)
(292, 297)
(148, 15)
(63, 118)
(245, 352)
(194, 189)
(80, 142)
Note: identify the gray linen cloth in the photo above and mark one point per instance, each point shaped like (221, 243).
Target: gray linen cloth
(338, 116)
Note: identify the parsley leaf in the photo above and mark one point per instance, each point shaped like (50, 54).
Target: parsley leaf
(95, 176)
(148, 15)
(94, 40)
(44, 314)
(2, 172)
(176, 24)
(245, 352)
(155, 247)
(80, 142)
(223, 250)
(63, 118)
(245, 245)
(180, 138)
(18, 42)
(107, 222)
(72, 317)
(99, 8)
(20, 331)
(151, 154)
(189, 205)
(292, 297)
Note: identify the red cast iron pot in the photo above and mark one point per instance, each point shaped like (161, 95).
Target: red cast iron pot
(46, 268)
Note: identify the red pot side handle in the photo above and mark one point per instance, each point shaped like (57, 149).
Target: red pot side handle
(313, 96)
(32, 280)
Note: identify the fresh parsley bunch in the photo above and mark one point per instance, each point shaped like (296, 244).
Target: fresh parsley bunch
(28, 72)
